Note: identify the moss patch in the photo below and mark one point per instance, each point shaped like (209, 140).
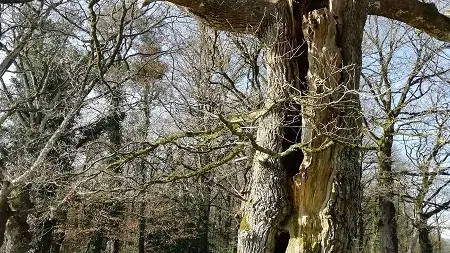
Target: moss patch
(244, 226)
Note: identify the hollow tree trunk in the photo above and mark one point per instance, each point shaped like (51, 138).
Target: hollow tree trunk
(268, 203)
(326, 191)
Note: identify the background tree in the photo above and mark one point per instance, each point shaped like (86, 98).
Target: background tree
(398, 93)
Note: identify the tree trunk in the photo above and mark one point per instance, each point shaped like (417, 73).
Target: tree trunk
(424, 238)
(115, 138)
(5, 211)
(387, 229)
(268, 203)
(326, 191)
(142, 227)
(205, 210)
(18, 237)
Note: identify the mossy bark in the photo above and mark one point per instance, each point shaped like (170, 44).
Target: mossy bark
(18, 236)
(5, 210)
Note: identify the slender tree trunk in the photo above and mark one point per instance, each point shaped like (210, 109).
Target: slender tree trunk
(143, 169)
(424, 237)
(203, 242)
(142, 227)
(100, 242)
(439, 235)
(374, 242)
(115, 137)
(387, 214)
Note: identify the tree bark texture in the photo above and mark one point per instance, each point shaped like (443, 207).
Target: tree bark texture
(268, 203)
(5, 210)
(387, 228)
(321, 196)
(324, 194)
(18, 237)
(424, 238)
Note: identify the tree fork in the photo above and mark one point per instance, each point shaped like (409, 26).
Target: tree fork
(328, 224)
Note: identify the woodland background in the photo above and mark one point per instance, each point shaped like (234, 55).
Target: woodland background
(134, 150)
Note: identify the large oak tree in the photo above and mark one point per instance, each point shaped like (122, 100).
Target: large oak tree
(305, 194)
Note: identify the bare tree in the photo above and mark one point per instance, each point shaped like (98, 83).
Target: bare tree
(397, 94)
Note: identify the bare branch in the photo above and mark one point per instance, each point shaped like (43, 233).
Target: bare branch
(15, 1)
(420, 15)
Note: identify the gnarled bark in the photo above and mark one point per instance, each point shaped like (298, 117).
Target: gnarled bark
(268, 203)
(5, 210)
(326, 193)
(18, 237)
